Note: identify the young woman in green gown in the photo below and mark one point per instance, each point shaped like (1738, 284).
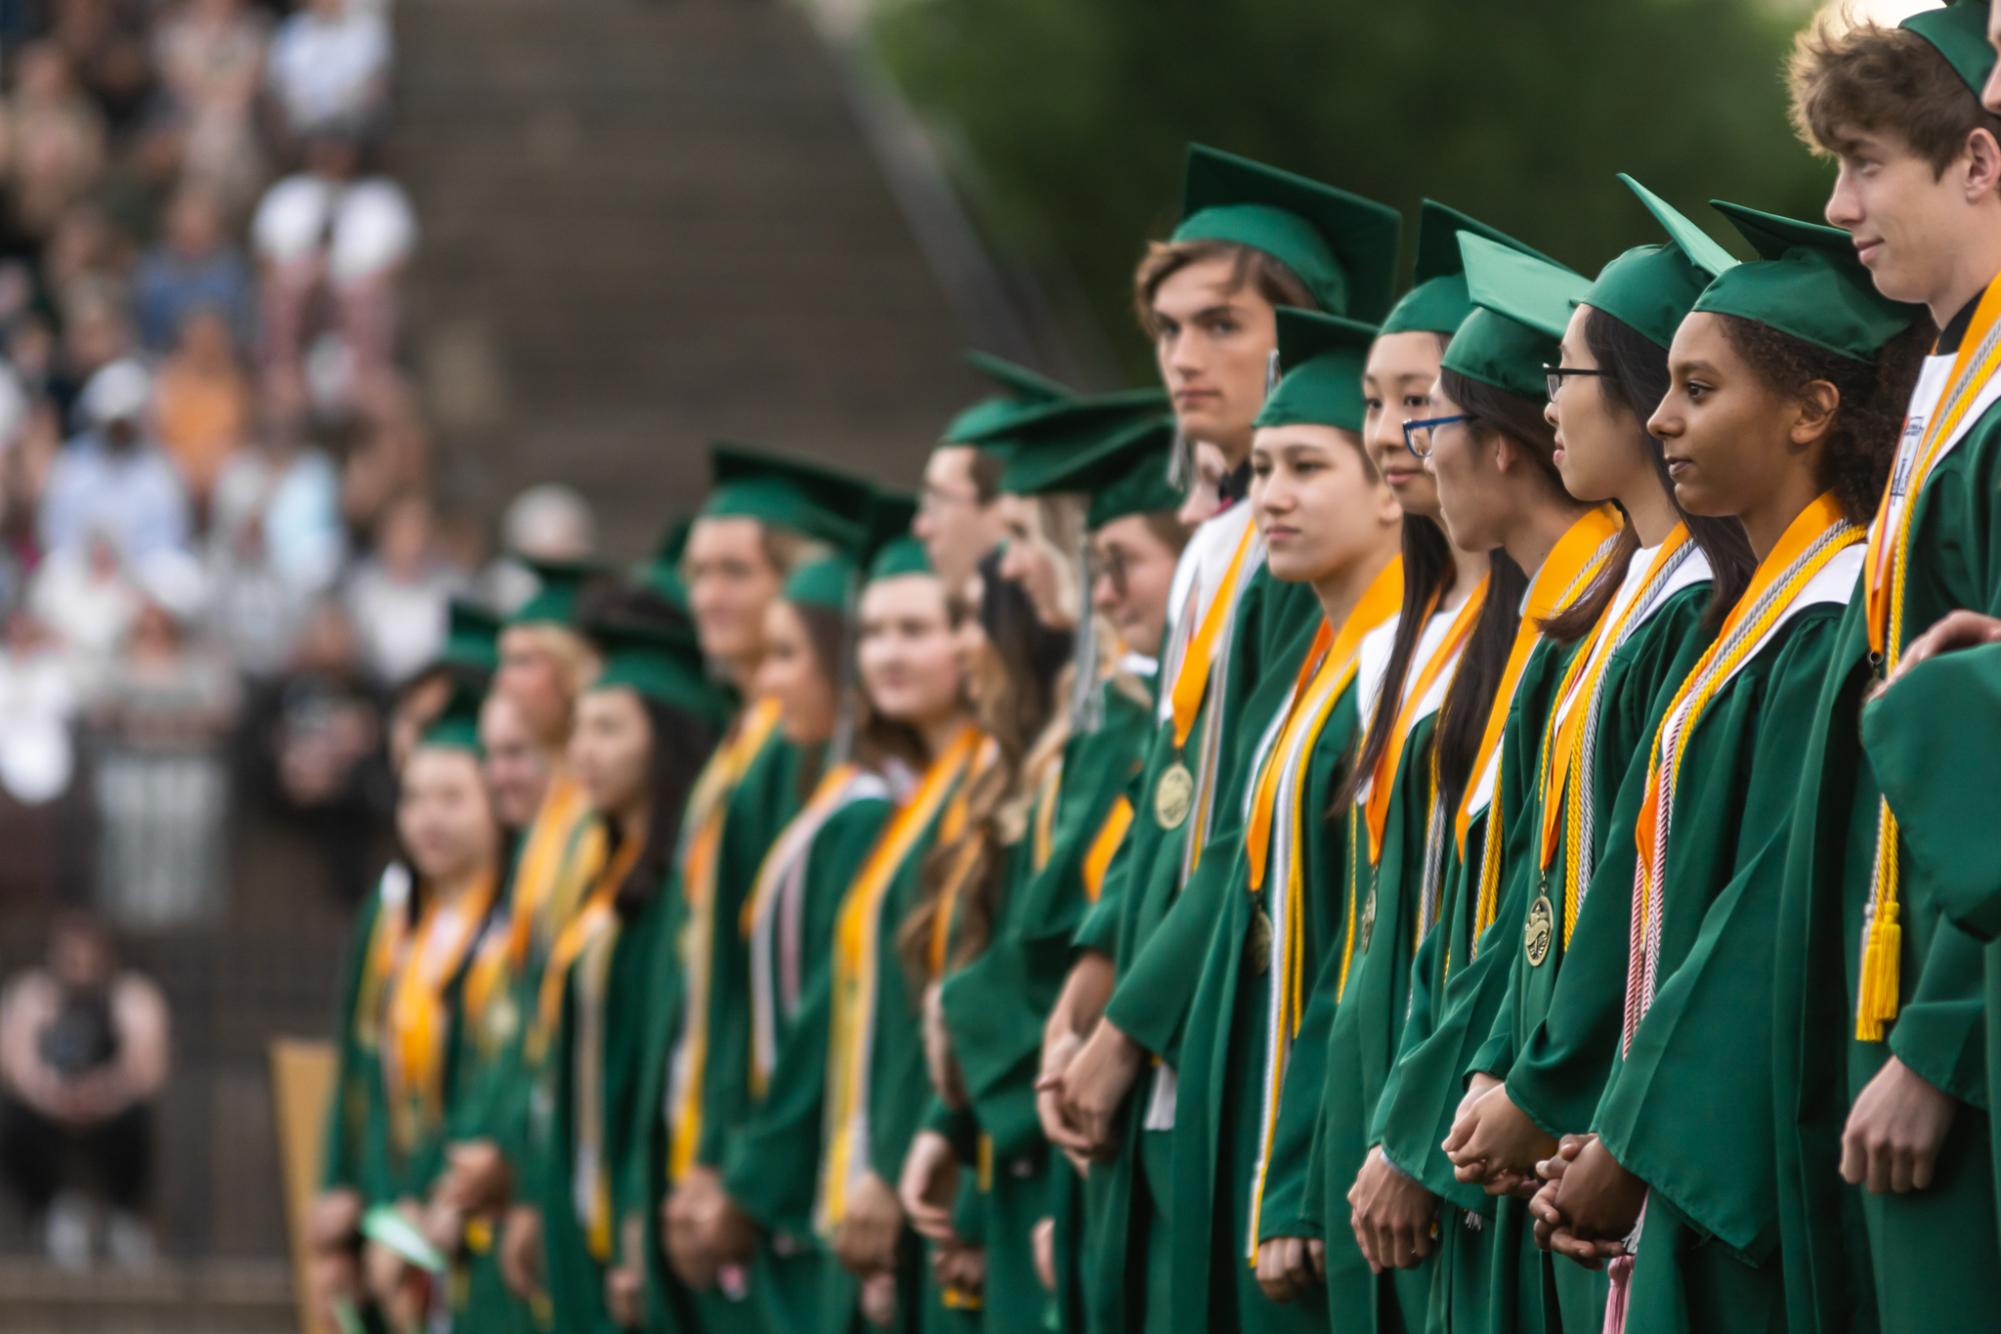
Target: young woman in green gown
(1788, 379)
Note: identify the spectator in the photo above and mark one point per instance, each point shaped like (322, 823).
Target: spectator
(398, 594)
(162, 776)
(83, 1056)
(86, 596)
(546, 522)
(111, 479)
(210, 54)
(330, 64)
(193, 268)
(24, 470)
(331, 229)
(37, 704)
(201, 404)
(105, 47)
(326, 732)
(55, 138)
(95, 334)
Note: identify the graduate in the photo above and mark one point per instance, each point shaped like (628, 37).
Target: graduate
(1251, 238)
(1072, 728)
(469, 1198)
(1489, 449)
(958, 518)
(765, 516)
(415, 946)
(1439, 667)
(877, 1093)
(1403, 673)
(1787, 380)
(1641, 624)
(1253, 1057)
(770, 1165)
(1886, 1087)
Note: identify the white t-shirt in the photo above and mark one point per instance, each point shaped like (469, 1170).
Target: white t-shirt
(366, 226)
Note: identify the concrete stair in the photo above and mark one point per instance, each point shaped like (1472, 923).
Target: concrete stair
(647, 225)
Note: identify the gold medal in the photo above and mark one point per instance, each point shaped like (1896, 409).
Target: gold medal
(1368, 919)
(1174, 796)
(1536, 935)
(1257, 946)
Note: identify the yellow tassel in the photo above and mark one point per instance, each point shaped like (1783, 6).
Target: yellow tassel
(1881, 975)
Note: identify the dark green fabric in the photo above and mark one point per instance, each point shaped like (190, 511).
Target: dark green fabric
(1650, 288)
(1524, 303)
(1806, 282)
(1437, 301)
(343, 1145)
(1959, 31)
(1321, 359)
(1688, 1108)
(787, 492)
(1929, 1253)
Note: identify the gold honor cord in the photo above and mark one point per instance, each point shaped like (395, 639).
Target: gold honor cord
(1888, 567)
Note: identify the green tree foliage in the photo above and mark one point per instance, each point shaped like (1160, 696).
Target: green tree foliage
(1066, 118)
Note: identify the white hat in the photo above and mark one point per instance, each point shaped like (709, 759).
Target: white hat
(119, 392)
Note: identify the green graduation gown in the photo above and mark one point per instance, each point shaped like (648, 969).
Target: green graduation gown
(771, 1163)
(1688, 1108)
(1923, 1257)
(1557, 1027)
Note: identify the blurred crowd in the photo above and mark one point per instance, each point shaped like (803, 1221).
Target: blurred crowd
(221, 543)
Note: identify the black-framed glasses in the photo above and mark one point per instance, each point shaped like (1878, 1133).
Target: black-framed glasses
(1417, 432)
(1553, 376)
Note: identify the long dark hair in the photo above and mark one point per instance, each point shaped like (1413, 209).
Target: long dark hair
(1635, 381)
(1863, 440)
(679, 742)
(1018, 705)
(1462, 719)
(1428, 572)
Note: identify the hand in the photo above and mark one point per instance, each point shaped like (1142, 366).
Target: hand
(1894, 1131)
(930, 1183)
(1285, 1270)
(1393, 1216)
(957, 1267)
(939, 1062)
(443, 1224)
(1495, 1144)
(1552, 1230)
(681, 1218)
(384, 1272)
(1478, 1086)
(335, 1279)
(865, 1241)
(1956, 630)
(1096, 1084)
(334, 1224)
(878, 1299)
(1049, 1110)
(1598, 1199)
(1042, 1241)
(521, 1252)
(1085, 992)
(625, 1281)
(477, 1178)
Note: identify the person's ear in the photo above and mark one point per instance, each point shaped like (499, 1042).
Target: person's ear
(1983, 164)
(1507, 455)
(1818, 404)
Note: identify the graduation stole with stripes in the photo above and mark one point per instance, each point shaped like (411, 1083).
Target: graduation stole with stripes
(1572, 564)
(1200, 665)
(957, 812)
(587, 942)
(857, 943)
(1277, 829)
(697, 858)
(1810, 543)
(1887, 563)
(1570, 737)
(771, 914)
(1417, 688)
(417, 1018)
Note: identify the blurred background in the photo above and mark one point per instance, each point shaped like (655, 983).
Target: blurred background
(312, 310)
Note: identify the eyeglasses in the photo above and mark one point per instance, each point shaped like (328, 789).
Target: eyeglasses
(1417, 432)
(1553, 376)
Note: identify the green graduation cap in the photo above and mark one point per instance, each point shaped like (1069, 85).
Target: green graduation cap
(472, 637)
(1437, 300)
(457, 727)
(1959, 31)
(1321, 359)
(657, 663)
(891, 550)
(828, 583)
(809, 499)
(1342, 246)
(1806, 282)
(1022, 391)
(1523, 303)
(560, 588)
(1123, 469)
(1042, 450)
(1652, 287)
